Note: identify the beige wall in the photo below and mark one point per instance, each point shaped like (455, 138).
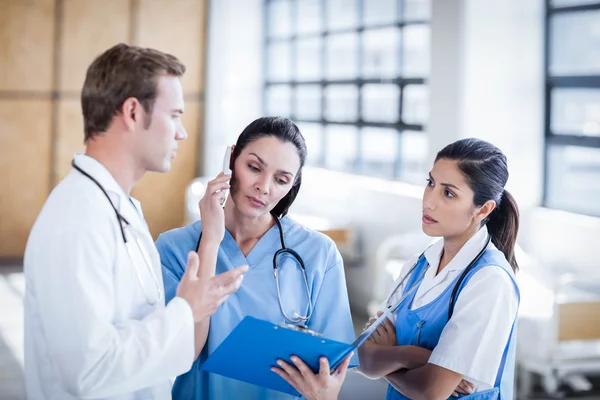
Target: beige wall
(45, 48)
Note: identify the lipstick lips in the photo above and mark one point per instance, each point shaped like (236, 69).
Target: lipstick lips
(428, 220)
(256, 202)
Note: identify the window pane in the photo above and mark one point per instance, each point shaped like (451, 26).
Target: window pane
(280, 61)
(280, 18)
(341, 14)
(342, 56)
(574, 179)
(313, 135)
(575, 43)
(341, 147)
(568, 3)
(380, 53)
(576, 111)
(308, 102)
(279, 100)
(306, 48)
(413, 156)
(380, 103)
(379, 150)
(416, 10)
(309, 16)
(308, 59)
(415, 107)
(379, 12)
(416, 51)
(341, 103)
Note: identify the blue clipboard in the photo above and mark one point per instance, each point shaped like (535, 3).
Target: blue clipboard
(254, 346)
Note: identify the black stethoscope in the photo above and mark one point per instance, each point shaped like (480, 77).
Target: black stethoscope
(454, 291)
(152, 300)
(279, 253)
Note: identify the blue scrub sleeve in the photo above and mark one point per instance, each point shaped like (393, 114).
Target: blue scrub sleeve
(171, 282)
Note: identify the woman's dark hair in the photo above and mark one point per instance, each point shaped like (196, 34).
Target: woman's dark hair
(484, 165)
(284, 130)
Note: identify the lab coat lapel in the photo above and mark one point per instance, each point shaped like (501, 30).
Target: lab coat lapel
(127, 207)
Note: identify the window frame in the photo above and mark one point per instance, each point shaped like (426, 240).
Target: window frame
(552, 82)
(359, 165)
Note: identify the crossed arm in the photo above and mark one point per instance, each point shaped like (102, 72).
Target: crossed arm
(406, 368)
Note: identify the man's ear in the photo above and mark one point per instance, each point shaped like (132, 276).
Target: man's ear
(132, 112)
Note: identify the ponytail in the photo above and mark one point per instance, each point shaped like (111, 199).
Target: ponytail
(486, 170)
(503, 226)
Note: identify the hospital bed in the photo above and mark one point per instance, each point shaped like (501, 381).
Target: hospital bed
(390, 256)
(559, 332)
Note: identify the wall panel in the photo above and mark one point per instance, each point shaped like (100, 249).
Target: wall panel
(69, 136)
(89, 27)
(177, 27)
(46, 47)
(26, 38)
(24, 174)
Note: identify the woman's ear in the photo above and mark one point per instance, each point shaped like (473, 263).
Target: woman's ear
(485, 210)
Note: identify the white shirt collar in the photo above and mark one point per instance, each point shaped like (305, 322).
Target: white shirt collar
(99, 172)
(464, 256)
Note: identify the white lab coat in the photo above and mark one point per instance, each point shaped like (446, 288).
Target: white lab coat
(89, 331)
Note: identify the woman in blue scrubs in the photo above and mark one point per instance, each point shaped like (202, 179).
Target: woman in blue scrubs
(453, 328)
(266, 166)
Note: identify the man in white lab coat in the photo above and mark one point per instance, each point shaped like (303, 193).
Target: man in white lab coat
(96, 324)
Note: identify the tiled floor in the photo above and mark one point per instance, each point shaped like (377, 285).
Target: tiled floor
(11, 335)
(12, 289)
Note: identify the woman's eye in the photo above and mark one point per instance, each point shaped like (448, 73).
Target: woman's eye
(448, 193)
(253, 168)
(281, 181)
(429, 182)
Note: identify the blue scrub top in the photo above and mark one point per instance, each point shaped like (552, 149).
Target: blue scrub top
(423, 326)
(257, 297)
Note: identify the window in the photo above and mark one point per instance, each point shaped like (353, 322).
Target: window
(572, 123)
(352, 75)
